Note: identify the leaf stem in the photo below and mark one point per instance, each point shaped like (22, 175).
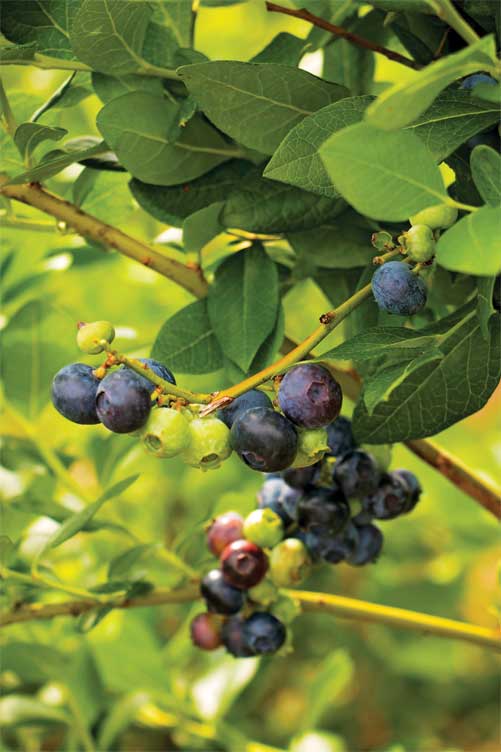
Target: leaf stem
(463, 207)
(445, 10)
(20, 223)
(339, 31)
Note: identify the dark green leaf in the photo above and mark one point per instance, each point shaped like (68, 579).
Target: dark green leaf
(243, 303)
(485, 307)
(349, 65)
(472, 245)
(187, 341)
(202, 227)
(33, 663)
(112, 87)
(44, 23)
(178, 16)
(486, 172)
(257, 103)
(341, 244)
(382, 341)
(285, 48)
(29, 135)
(55, 162)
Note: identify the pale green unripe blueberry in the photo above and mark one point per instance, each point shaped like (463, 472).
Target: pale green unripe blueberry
(89, 335)
(436, 217)
(265, 593)
(166, 433)
(382, 454)
(209, 444)
(419, 243)
(264, 528)
(286, 608)
(311, 446)
(289, 562)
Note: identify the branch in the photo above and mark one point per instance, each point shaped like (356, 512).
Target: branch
(349, 608)
(339, 31)
(85, 224)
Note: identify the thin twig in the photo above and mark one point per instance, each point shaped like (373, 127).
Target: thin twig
(343, 33)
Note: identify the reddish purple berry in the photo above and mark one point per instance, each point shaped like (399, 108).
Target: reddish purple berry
(243, 564)
(205, 630)
(310, 396)
(223, 530)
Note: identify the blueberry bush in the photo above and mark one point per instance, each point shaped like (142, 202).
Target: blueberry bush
(251, 268)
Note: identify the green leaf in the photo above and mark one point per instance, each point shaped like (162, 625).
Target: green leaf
(108, 197)
(383, 175)
(17, 53)
(243, 303)
(187, 341)
(296, 161)
(136, 127)
(74, 90)
(29, 135)
(434, 395)
(7, 550)
(341, 244)
(173, 204)
(330, 682)
(33, 663)
(79, 520)
(268, 351)
(121, 567)
(349, 65)
(55, 162)
(123, 712)
(109, 35)
(112, 87)
(41, 337)
(257, 103)
(202, 227)
(405, 101)
(19, 710)
(472, 245)
(486, 172)
(285, 48)
(382, 341)
(178, 16)
(44, 23)
(261, 205)
(485, 307)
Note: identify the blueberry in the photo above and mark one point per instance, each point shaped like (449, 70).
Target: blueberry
(390, 499)
(397, 290)
(368, 545)
(205, 631)
(224, 530)
(252, 398)
(322, 544)
(310, 396)
(264, 439)
(275, 494)
(243, 564)
(234, 639)
(74, 391)
(167, 432)
(477, 78)
(209, 443)
(413, 486)
(263, 633)
(325, 508)
(89, 336)
(264, 527)
(123, 401)
(340, 436)
(301, 477)
(159, 369)
(219, 595)
(357, 474)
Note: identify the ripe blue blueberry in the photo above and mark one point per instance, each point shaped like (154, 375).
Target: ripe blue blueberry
(234, 639)
(477, 78)
(413, 486)
(219, 595)
(340, 436)
(123, 401)
(324, 508)
(301, 477)
(390, 499)
(264, 439)
(310, 396)
(277, 495)
(263, 633)
(159, 369)
(357, 474)
(252, 398)
(322, 544)
(368, 545)
(74, 391)
(397, 290)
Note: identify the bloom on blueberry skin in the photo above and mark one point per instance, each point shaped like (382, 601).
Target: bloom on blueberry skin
(310, 396)
(397, 290)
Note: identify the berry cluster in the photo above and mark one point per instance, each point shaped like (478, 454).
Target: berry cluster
(320, 513)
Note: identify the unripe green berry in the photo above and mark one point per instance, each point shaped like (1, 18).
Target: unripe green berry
(289, 562)
(265, 593)
(436, 217)
(89, 335)
(209, 444)
(166, 433)
(419, 243)
(264, 528)
(286, 608)
(311, 446)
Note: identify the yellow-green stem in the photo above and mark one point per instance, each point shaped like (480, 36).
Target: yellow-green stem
(447, 12)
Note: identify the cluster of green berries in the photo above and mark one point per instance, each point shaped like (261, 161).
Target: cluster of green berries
(320, 513)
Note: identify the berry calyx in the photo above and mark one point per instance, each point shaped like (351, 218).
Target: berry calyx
(123, 401)
(209, 443)
(419, 242)
(289, 563)
(220, 596)
(435, 217)
(74, 390)
(264, 528)
(397, 290)
(89, 336)
(205, 631)
(243, 564)
(310, 396)
(223, 530)
(167, 432)
(264, 439)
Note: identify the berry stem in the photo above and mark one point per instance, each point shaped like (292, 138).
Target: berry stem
(446, 11)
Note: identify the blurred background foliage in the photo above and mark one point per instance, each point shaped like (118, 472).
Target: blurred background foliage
(134, 680)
